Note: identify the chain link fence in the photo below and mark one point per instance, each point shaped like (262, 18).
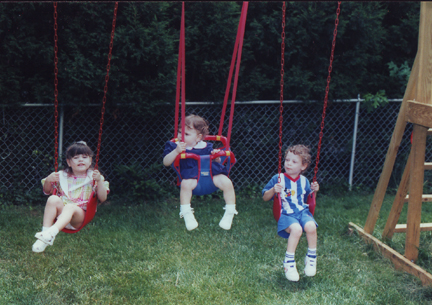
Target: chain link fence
(137, 140)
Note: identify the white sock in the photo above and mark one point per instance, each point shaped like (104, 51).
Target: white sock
(185, 207)
(311, 253)
(53, 229)
(230, 208)
(289, 257)
(45, 228)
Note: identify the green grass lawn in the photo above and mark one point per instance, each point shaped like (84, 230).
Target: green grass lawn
(143, 254)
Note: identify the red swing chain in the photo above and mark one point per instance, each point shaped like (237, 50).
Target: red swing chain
(179, 62)
(181, 75)
(181, 82)
(106, 86)
(281, 90)
(235, 60)
(327, 90)
(55, 91)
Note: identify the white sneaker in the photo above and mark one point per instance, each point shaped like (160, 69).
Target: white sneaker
(46, 236)
(291, 273)
(227, 219)
(310, 266)
(39, 246)
(189, 219)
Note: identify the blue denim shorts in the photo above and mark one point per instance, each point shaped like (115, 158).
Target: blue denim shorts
(286, 220)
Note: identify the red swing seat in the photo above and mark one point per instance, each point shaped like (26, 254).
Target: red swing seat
(89, 213)
(277, 205)
(93, 200)
(311, 199)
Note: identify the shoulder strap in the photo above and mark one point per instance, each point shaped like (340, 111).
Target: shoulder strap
(64, 184)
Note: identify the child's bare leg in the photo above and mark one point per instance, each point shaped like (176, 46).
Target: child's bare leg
(225, 184)
(72, 214)
(311, 234)
(53, 208)
(311, 258)
(295, 231)
(186, 188)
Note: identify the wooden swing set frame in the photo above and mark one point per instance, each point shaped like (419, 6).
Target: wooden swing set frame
(416, 108)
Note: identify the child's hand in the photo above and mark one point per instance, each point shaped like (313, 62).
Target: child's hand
(54, 177)
(181, 146)
(278, 188)
(215, 151)
(97, 176)
(315, 186)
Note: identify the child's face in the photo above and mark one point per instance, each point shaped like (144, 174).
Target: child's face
(293, 165)
(79, 164)
(191, 136)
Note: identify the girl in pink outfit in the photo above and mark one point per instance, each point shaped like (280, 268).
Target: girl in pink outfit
(67, 208)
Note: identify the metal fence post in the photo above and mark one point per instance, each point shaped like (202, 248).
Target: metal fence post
(357, 112)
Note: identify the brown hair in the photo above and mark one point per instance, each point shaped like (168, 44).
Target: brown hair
(302, 151)
(77, 148)
(198, 123)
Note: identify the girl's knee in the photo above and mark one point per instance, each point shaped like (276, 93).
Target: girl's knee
(71, 207)
(54, 200)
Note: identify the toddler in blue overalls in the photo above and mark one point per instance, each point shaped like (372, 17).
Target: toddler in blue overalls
(196, 129)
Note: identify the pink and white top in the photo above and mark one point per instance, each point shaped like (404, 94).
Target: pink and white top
(75, 189)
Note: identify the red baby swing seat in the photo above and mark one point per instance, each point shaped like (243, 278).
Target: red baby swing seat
(205, 183)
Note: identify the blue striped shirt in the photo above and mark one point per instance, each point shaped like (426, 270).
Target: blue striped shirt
(295, 193)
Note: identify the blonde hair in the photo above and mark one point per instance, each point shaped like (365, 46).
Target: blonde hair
(302, 151)
(198, 123)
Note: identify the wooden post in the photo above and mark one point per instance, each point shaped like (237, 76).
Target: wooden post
(398, 202)
(424, 96)
(398, 259)
(412, 240)
(410, 94)
(424, 53)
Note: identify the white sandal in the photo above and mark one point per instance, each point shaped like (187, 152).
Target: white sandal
(46, 237)
(39, 246)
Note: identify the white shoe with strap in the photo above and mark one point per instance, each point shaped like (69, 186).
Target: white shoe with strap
(189, 219)
(291, 273)
(227, 219)
(310, 266)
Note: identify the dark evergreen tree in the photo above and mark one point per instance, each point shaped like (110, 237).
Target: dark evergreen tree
(375, 49)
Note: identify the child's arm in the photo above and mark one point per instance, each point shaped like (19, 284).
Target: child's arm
(52, 178)
(277, 188)
(315, 186)
(169, 158)
(101, 189)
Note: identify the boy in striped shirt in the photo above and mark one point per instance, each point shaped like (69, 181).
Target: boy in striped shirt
(295, 217)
